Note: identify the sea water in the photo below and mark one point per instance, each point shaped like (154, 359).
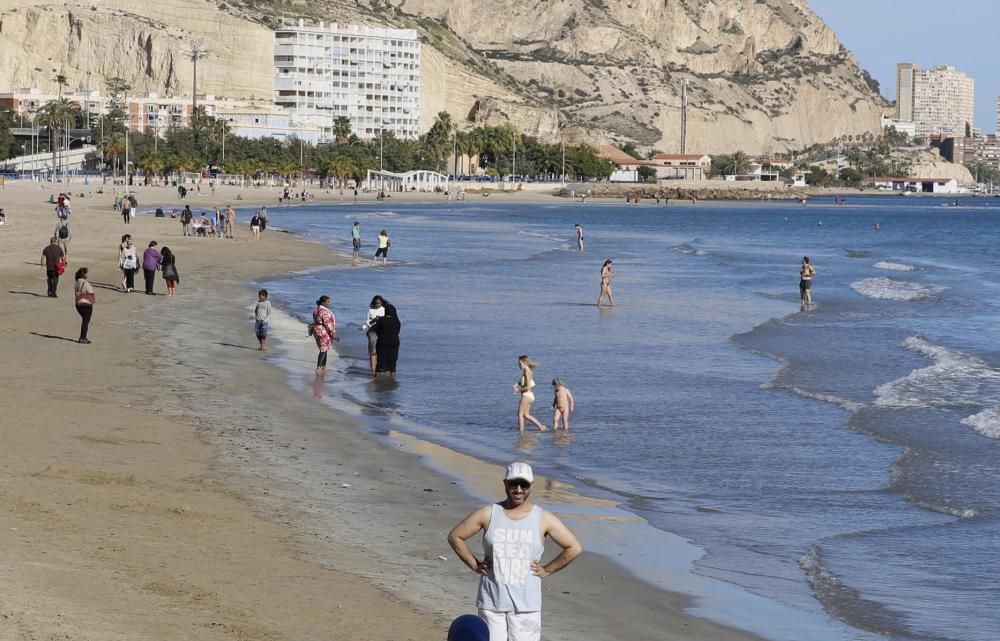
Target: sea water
(842, 462)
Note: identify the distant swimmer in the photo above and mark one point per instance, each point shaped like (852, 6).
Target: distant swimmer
(607, 274)
(563, 404)
(579, 237)
(877, 227)
(806, 273)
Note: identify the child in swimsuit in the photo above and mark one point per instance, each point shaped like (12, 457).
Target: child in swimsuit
(563, 404)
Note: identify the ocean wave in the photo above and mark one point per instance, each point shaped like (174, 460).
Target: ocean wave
(890, 289)
(685, 248)
(535, 234)
(958, 512)
(844, 602)
(986, 422)
(895, 267)
(955, 380)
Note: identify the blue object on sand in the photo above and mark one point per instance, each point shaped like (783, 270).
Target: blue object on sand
(468, 627)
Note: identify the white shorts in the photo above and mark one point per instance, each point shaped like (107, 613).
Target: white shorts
(513, 626)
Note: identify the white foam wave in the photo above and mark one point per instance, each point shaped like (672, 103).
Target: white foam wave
(958, 512)
(896, 267)
(535, 234)
(890, 289)
(986, 422)
(955, 379)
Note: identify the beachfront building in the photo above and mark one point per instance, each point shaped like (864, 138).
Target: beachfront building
(369, 75)
(685, 166)
(939, 100)
(264, 121)
(907, 127)
(25, 102)
(914, 185)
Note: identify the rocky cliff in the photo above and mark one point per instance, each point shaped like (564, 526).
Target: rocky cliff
(763, 75)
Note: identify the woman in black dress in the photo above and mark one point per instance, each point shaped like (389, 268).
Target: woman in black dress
(387, 347)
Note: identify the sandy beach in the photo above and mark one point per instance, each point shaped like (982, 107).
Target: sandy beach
(161, 483)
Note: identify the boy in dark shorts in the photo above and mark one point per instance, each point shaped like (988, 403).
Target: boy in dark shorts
(261, 316)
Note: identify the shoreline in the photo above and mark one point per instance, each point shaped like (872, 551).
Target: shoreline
(150, 474)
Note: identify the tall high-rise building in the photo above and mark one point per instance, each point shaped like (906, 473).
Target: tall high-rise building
(370, 75)
(905, 77)
(939, 100)
(997, 130)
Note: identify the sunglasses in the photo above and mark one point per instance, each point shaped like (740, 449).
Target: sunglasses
(521, 483)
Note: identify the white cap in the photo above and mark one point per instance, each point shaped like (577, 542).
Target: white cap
(519, 470)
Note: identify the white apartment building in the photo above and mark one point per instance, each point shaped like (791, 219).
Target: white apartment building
(370, 75)
(943, 99)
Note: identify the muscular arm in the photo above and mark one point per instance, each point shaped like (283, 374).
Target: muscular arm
(554, 529)
(465, 530)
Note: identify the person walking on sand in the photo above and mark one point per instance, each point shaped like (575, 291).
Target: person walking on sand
(151, 260)
(387, 327)
(563, 404)
(255, 226)
(127, 210)
(53, 264)
(84, 300)
(383, 247)
(356, 239)
(806, 273)
(524, 387)
(230, 222)
(64, 234)
(376, 310)
(511, 571)
(324, 330)
(261, 317)
(607, 274)
(128, 262)
(168, 267)
(579, 237)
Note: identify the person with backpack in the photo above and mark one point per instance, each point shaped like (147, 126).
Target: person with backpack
(168, 267)
(186, 220)
(63, 234)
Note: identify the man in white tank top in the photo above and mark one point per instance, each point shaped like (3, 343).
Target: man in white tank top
(511, 571)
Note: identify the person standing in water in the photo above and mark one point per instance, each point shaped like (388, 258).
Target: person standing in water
(324, 330)
(383, 248)
(563, 404)
(376, 310)
(607, 274)
(356, 239)
(524, 387)
(387, 327)
(806, 273)
(579, 237)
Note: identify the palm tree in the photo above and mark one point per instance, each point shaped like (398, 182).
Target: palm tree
(741, 164)
(58, 115)
(151, 163)
(342, 129)
(60, 80)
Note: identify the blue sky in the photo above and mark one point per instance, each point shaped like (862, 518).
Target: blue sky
(962, 33)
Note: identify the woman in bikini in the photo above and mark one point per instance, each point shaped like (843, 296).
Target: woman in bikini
(606, 275)
(524, 387)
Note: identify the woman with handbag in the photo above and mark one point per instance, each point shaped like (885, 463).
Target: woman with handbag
(168, 267)
(128, 262)
(84, 299)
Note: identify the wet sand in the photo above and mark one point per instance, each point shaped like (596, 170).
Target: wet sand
(165, 482)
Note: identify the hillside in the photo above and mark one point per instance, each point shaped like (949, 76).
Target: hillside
(764, 75)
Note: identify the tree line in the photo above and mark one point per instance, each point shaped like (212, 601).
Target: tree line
(208, 143)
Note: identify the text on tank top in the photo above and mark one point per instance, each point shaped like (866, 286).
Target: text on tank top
(511, 545)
